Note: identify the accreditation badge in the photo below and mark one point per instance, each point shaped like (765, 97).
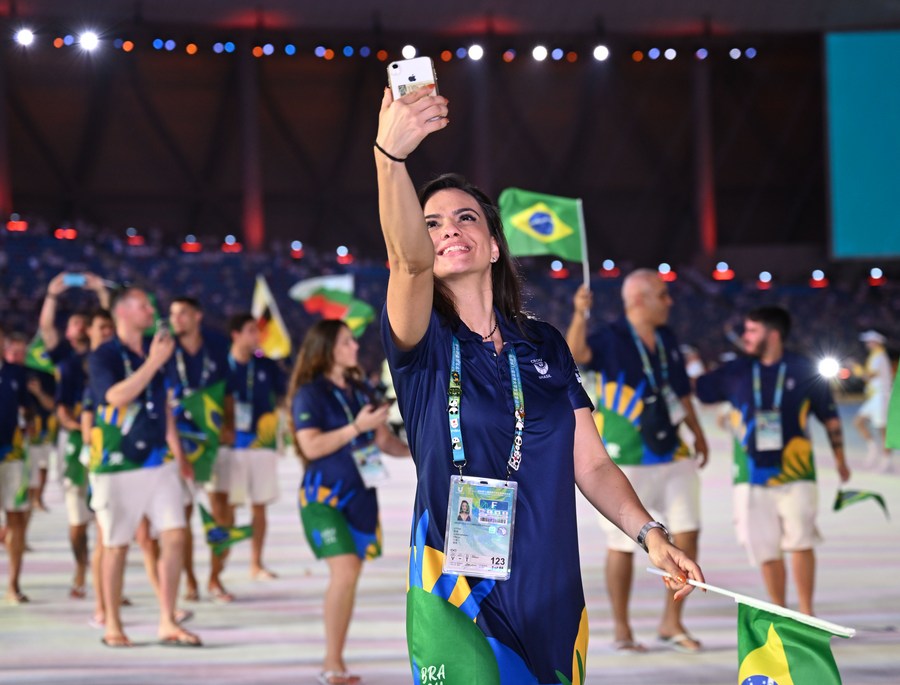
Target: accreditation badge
(370, 466)
(480, 522)
(677, 413)
(243, 417)
(768, 431)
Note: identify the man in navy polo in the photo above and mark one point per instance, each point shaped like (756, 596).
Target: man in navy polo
(772, 392)
(13, 479)
(643, 395)
(132, 476)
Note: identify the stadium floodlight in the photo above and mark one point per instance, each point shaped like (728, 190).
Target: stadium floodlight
(89, 41)
(829, 367)
(25, 37)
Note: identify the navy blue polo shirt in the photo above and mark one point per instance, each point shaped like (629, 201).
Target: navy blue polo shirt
(106, 367)
(267, 386)
(622, 385)
(13, 397)
(316, 406)
(208, 366)
(805, 391)
(533, 634)
(72, 381)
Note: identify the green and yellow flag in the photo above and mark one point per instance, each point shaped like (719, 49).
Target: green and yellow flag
(219, 537)
(538, 224)
(892, 436)
(845, 498)
(36, 356)
(199, 419)
(774, 649)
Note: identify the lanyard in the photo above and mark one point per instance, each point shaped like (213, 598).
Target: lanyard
(454, 410)
(645, 359)
(370, 435)
(182, 371)
(129, 369)
(779, 387)
(250, 376)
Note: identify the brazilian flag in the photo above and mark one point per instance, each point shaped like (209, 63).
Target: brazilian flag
(538, 224)
(778, 650)
(199, 420)
(219, 537)
(845, 498)
(36, 356)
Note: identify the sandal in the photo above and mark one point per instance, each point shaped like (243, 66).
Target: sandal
(77, 592)
(628, 647)
(681, 642)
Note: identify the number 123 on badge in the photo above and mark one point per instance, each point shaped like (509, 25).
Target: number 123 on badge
(480, 522)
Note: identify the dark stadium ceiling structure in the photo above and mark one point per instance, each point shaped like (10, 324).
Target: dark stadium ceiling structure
(473, 17)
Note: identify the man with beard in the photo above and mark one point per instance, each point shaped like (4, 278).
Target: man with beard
(772, 392)
(199, 369)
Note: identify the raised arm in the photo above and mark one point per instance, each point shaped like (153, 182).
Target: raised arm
(576, 335)
(606, 487)
(47, 318)
(402, 125)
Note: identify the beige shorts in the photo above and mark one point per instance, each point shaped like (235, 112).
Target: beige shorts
(11, 474)
(671, 492)
(38, 459)
(253, 476)
(875, 409)
(121, 500)
(77, 511)
(773, 520)
(220, 480)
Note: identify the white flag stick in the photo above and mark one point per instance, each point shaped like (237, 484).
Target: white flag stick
(584, 252)
(767, 606)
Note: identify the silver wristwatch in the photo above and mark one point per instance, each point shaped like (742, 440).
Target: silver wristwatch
(642, 536)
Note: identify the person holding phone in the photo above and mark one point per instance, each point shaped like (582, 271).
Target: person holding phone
(477, 380)
(131, 476)
(336, 427)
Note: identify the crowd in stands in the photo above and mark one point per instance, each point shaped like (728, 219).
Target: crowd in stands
(827, 320)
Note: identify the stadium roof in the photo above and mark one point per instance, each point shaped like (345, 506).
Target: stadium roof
(672, 17)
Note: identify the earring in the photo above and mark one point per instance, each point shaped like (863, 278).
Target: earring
(493, 260)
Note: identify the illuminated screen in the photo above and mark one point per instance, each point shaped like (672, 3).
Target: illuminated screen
(863, 86)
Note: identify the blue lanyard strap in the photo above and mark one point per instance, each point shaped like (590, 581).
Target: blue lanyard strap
(129, 370)
(370, 435)
(779, 387)
(232, 362)
(645, 358)
(182, 371)
(454, 410)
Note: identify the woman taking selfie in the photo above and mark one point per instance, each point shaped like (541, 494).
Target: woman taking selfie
(495, 413)
(340, 435)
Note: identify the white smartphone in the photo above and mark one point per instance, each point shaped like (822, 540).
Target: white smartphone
(408, 75)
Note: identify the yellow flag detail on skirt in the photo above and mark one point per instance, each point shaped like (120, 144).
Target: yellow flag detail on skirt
(539, 224)
(779, 650)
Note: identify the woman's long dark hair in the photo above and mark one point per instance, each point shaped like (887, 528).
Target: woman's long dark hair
(315, 358)
(505, 281)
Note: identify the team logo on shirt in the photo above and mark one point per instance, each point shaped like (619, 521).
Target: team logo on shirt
(261, 376)
(789, 384)
(542, 367)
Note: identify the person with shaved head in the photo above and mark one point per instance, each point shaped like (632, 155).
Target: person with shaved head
(645, 395)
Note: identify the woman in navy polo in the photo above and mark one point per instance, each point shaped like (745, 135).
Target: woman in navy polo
(339, 434)
(488, 393)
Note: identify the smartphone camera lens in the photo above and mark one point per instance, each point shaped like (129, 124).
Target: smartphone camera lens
(395, 66)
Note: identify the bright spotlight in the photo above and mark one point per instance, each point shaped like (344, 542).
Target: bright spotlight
(408, 51)
(765, 277)
(601, 53)
(670, 54)
(702, 53)
(230, 239)
(722, 266)
(89, 40)
(876, 273)
(476, 52)
(829, 367)
(539, 53)
(734, 53)
(342, 251)
(556, 265)
(818, 275)
(24, 36)
(608, 265)
(653, 53)
(557, 54)
(664, 268)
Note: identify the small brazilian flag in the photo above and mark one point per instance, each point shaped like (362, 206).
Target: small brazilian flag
(779, 650)
(538, 224)
(36, 356)
(847, 497)
(219, 537)
(199, 418)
